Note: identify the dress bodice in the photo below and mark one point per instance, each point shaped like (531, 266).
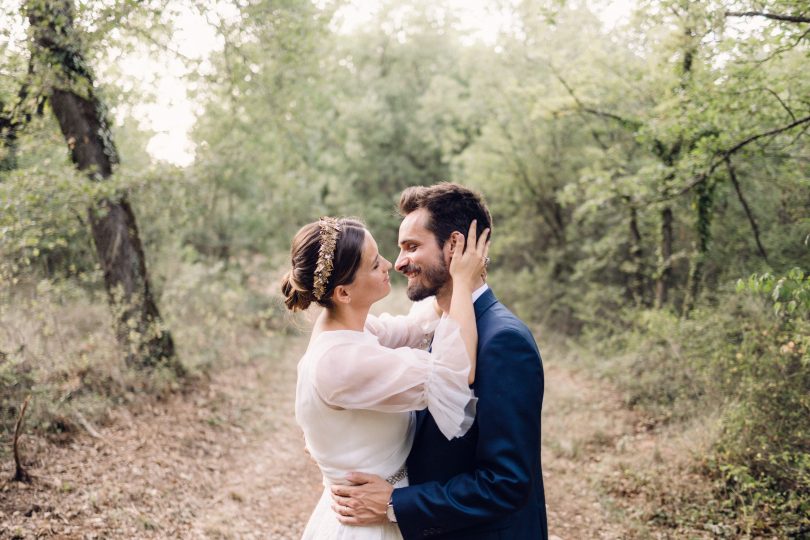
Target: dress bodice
(356, 391)
(344, 440)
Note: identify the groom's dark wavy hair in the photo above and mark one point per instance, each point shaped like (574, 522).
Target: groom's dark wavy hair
(452, 207)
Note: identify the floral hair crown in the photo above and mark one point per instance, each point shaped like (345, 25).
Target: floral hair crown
(330, 228)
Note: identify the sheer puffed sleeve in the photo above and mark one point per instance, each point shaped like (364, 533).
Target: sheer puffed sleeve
(411, 330)
(359, 373)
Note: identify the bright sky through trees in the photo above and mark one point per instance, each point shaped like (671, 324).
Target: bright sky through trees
(172, 114)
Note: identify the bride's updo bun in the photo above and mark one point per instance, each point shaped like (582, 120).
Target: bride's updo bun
(296, 298)
(298, 283)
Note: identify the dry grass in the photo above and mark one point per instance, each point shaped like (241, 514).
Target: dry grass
(62, 352)
(58, 345)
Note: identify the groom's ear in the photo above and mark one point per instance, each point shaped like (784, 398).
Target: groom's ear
(452, 242)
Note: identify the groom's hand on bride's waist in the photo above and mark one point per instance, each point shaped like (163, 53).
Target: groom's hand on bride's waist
(364, 502)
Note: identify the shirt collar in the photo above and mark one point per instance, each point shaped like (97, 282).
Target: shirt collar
(479, 291)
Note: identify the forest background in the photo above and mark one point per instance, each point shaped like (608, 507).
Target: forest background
(649, 181)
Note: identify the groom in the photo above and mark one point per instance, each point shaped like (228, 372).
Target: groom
(487, 484)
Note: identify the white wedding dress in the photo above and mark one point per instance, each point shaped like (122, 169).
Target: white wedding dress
(354, 398)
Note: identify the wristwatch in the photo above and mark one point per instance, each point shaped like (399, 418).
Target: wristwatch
(389, 512)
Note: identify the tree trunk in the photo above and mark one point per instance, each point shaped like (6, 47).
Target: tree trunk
(693, 283)
(636, 286)
(664, 274)
(83, 123)
(8, 136)
(704, 199)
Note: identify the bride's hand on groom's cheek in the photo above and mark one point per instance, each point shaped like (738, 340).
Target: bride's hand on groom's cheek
(363, 503)
(469, 258)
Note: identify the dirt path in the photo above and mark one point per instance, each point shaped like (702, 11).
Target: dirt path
(583, 424)
(228, 462)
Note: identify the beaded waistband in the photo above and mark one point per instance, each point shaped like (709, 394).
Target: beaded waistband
(397, 476)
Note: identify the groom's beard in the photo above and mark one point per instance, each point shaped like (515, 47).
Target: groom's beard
(428, 281)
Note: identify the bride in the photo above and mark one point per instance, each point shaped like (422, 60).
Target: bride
(362, 375)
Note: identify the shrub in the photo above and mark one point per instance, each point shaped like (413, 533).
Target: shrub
(763, 455)
(746, 358)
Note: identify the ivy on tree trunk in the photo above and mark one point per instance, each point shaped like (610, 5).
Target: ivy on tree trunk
(82, 120)
(664, 275)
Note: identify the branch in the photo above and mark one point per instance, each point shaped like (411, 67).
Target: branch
(754, 227)
(87, 425)
(665, 154)
(627, 122)
(784, 105)
(786, 48)
(753, 138)
(726, 154)
(152, 39)
(774, 16)
(798, 136)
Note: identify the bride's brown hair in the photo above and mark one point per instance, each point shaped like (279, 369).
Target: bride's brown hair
(298, 283)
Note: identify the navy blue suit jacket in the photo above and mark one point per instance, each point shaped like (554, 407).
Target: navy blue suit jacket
(487, 484)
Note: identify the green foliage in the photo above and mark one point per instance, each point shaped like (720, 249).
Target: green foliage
(260, 143)
(44, 205)
(661, 362)
(582, 139)
(763, 451)
(790, 293)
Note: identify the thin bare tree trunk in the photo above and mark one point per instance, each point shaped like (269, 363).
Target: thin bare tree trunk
(636, 256)
(83, 123)
(754, 227)
(20, 474)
